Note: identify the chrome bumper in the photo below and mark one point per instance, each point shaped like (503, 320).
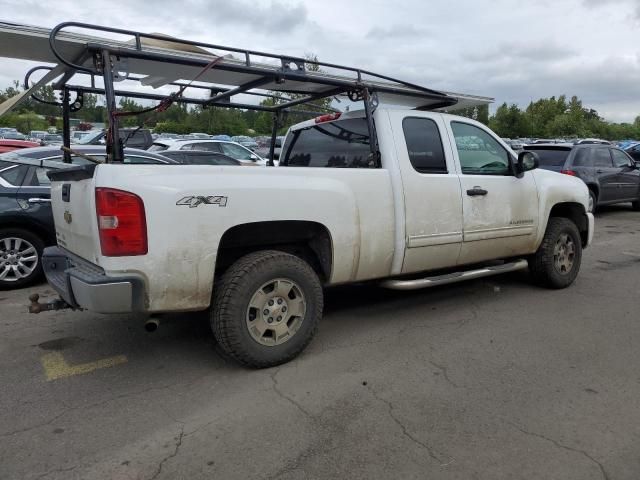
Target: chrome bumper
(84, 285)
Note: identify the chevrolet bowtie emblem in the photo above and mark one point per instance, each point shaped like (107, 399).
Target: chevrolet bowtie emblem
(67, 216)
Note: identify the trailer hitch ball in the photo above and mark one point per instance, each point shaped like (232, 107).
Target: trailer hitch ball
(36, 307)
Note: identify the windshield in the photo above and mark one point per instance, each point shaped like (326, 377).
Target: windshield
(90, 137)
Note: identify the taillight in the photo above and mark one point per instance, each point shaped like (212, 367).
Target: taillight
(329, 117)
(569, 172)
(121, 223)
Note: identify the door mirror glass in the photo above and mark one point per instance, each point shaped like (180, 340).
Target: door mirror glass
(527, 161)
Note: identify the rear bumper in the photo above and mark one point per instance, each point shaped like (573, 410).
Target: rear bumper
(84, 285)
(591, 226)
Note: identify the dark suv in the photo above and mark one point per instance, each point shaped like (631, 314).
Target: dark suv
(611, 174)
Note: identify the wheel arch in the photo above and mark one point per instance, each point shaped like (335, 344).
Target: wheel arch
(41, 231)
(309, 240)
(575, 212)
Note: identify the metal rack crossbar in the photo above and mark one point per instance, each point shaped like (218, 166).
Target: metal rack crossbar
(155, 60)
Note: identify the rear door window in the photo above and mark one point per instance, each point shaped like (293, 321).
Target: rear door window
(424, 145)
(582, 158)
(206, 146)
(602, 158)
(12, 174)
(339, 144)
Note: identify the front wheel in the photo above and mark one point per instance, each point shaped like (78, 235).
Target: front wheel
(557, 262)
(266, 308)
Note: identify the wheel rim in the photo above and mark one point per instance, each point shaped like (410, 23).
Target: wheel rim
(275, 312)
(564, 253)
(18, 259)
(591, 203)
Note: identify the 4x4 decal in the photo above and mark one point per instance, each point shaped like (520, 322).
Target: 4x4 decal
(195, 200)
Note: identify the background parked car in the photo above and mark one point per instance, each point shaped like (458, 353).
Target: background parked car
(634, 151)
(196, 157)
(10, 145)
(231, 149)
(13, 135)
(50, 139)
(37, 134)
(263, 150)
(133, 138)
(26, 220)
(245, 141)
(611, 175)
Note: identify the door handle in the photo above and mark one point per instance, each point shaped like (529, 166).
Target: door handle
(39, 200)
(476, 191)
(599, 171)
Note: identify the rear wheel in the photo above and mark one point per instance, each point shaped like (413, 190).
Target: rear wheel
(557, 262)
(636, 205)
(266, 308)
(20, 252)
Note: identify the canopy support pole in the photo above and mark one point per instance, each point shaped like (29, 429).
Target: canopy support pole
(114, 145)
(66, 126)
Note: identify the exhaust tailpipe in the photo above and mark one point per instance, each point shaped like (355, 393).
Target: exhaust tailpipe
(151, 325)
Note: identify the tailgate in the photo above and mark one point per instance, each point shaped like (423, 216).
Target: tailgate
(74, 213)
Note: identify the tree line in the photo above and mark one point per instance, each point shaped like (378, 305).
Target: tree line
(552, 118)
(545, 118)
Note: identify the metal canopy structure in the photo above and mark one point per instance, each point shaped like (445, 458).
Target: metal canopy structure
(156, 60)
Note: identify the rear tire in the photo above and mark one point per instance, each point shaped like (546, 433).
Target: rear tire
(636, 205)
(266, 308)
(20, 258)
(557, 262)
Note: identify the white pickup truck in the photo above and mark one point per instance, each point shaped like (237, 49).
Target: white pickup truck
(256, 246)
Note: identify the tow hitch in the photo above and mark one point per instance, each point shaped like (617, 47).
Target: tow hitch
(35, 307)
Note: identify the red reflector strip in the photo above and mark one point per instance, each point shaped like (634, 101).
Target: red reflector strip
(328, 117)
(569, 172)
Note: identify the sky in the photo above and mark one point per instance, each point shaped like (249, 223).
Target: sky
(510, 50)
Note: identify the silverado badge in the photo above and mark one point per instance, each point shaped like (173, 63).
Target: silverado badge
(67, 216)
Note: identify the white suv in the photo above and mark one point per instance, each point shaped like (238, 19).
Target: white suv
(231, 149)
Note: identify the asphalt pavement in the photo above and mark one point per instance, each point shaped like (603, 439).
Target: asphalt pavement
(492, 379)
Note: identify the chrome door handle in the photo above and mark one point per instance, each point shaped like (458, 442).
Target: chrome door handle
(39, 200)
(476, 191)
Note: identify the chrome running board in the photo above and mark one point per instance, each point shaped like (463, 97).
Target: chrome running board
(454, 277)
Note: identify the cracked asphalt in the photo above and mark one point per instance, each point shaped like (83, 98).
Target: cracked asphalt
(493, 379)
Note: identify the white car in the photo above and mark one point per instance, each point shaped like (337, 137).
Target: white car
(231, 149)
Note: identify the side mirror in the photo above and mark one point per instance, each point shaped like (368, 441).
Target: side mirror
(253, 157)
(526, 161)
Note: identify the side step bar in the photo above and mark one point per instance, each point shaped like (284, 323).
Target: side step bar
(454, 277)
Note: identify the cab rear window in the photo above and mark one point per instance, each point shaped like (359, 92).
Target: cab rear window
(338, 144)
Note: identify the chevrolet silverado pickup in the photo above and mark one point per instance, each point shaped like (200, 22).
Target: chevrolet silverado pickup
(448, 201)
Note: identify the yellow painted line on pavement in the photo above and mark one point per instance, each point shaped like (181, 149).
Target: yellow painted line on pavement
(56, 367)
